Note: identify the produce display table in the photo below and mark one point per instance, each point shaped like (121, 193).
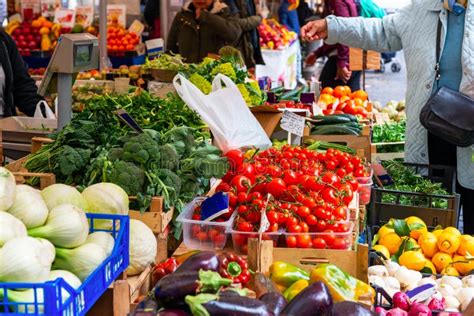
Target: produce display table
(280, 65)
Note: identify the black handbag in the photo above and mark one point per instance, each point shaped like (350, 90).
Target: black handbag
(448, 114)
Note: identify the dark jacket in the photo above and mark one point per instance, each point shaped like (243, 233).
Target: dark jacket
(195, 38)
(249, 41)
(151, 13)
(342, 8)
(20, 88)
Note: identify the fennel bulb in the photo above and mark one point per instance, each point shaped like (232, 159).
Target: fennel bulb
(105, 198)
(23, 260)
(81, 261)
(29, 207)
(58, 194)
(7, 189)
(65, 227)
(28, 296)
(10, 228)
(48, 249)
(143, 247)
(103, 239)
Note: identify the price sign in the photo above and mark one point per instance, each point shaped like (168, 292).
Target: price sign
(264, 223)
(382, 118)
(292, 123)
(127, 119)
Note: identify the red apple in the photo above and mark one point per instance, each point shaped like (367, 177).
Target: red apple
(23, 44)
(21, 37)
(32, 44)
(30, 37)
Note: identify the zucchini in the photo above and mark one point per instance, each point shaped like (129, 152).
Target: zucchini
(335, 130)
(292, 95)
(331, 119)
(351, 117)
(277, 90)
(352, 125)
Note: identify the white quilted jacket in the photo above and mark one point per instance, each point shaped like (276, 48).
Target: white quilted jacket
(413, 29)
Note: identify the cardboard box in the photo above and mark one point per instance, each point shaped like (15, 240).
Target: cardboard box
(362, 60)
(268, 117)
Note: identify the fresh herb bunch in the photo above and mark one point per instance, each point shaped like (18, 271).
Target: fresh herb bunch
(166, 61)
(389, 132)
(406, 180)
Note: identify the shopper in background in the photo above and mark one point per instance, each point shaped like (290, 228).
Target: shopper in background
(200, 28)
(249, 41)
(336, 71)
(288, 15)
(17, 88)
(414, 29)
(152, 17)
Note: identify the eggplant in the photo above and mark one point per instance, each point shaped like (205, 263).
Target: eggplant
(205, 260)
(313, 300)
(262, 285)
(275, 302)
(236, 305)
(172, 312)
(171, 290)
(349, 308)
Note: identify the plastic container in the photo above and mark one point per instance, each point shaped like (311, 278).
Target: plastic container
(342, 240)
(78, 301)
(240, 239)
(365, 180)
(364, 192)
(203, 235)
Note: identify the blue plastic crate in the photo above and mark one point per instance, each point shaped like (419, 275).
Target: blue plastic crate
(82, 299)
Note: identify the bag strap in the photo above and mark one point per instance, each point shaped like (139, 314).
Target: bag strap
(438, 50)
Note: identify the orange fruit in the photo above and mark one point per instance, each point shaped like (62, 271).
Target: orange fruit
(428, 244)
(360, 94)
(463, 265)
(344, 99)
(448, 242)
(413, 260)
(392, 241)
(44, 31)
(437, 232)
(452, 230)
(441, 260)
(413, 220)
(36, 24)
(326, 98)
(385, 230)
(327, 90)
(358, 102)
(466, 245)
(339, 91)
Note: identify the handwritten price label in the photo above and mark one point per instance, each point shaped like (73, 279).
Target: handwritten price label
(292, 123)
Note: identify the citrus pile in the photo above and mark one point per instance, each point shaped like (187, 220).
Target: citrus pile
(444, 251)
(342, 100)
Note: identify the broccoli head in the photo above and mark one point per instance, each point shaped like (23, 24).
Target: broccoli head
(182, 138)
(225, 69)
(141, 149)
(201, 83)
(169, 157)
(115, 154)
(128, 176)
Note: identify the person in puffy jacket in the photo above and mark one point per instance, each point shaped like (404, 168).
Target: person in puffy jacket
(202, 27)
(414, 29)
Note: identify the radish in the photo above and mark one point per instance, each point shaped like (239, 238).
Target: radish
(396, 312)
(401, 300)
(419, 309)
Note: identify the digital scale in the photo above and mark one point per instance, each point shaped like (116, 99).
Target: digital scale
(74, 53)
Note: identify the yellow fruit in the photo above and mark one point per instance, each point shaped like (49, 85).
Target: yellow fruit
(463, 265)
(383, 250)
(430, 265)
(428, 244)
(44, 31)
(448, 242)
(392, 241)
(36, 23)
(441, 260)
(466, 245)
(437, 232)
(417, 232)
(413, 260)
(450, 270)
(385, 230)
(452, 230)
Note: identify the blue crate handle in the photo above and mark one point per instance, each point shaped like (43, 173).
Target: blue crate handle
(81, 300)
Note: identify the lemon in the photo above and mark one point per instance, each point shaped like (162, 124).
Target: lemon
(384, 230)
(441, 260)
(463, 265)
(437, 232)
(450, 270)
(413, 260)
(392, 241)
(466, 245)
(383, 250)
(448, 242)
(452, 230)
(429, 244)
(430, 265)
(416, 232)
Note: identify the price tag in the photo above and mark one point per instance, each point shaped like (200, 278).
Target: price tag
(127, 119)
(382, 118)
(264, 223)
(292, 123)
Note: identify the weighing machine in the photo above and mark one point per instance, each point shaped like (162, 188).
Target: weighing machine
(74, 53)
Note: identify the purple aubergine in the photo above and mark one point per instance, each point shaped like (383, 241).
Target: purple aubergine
(172, 312)
(205, 260)
(275, 302)
(236, 305)
(350, 309)
(171, 290)
(313, 300)
(147, 305)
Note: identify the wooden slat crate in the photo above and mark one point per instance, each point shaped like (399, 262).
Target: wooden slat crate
(386, 156)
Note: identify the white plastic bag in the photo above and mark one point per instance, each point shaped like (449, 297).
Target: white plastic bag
(47, 109)
(225, 111)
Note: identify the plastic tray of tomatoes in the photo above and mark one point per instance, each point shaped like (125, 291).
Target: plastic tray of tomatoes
(240, 239)
(338, 237)
(203, 235)
(365, 186)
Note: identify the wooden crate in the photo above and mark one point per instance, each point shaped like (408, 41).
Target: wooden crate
(46, 179)
(360, 143)
(386, 156)
(362, 60)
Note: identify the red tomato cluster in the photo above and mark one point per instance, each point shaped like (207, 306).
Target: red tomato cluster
(290, 105)
(311, 192)
(215, 236)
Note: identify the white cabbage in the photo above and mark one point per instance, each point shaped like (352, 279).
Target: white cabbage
(143, 247)
(58, 194)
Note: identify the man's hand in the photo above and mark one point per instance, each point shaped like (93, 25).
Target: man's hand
(310, 59)
(344, 74)
(314, 30)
